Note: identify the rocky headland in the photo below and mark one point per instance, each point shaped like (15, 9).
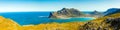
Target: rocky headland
(66, 13)
(72, 12)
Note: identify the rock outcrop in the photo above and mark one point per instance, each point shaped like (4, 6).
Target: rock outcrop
(112, 11)
(66, 13)
(111, 22)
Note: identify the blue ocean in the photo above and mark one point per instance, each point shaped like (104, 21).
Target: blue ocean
(26, 18)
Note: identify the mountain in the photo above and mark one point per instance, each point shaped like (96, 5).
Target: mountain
(112, 11)
(96, 14)
(65, 13)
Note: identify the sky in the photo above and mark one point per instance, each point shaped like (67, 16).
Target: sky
(55, 5)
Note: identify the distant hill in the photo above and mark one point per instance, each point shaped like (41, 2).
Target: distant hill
(65, 13)
(96, 14)
(112, 11)
(71, 12)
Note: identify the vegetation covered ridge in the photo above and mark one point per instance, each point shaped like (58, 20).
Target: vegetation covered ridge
(111, 22)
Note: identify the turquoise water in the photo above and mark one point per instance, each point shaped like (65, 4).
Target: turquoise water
(26, 18)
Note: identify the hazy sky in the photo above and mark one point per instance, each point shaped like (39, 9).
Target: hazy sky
(54, 5)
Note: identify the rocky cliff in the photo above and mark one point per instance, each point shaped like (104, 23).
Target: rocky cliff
(66, 13)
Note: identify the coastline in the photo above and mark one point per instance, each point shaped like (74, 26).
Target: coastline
(73, 17)
(55, 25)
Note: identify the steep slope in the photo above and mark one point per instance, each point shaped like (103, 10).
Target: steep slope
(112, 11)
(65, 13)
(111, 22)
(8, 24)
